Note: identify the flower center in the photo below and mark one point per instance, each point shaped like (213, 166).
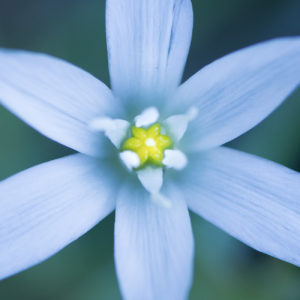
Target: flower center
(149, 144)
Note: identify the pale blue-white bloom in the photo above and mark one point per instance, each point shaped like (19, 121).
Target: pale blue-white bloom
(45, 208)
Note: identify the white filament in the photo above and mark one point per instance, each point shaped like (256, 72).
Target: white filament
(147, 117)
(174, 159)
(114, 129)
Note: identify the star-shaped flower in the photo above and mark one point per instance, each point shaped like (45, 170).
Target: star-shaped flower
(45, 208)
(148, 144)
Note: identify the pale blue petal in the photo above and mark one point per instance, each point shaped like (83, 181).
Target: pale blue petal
(153, 245)
(45, 208)
(55, 97)
(255, 200)
(148, 42)
(236, 92)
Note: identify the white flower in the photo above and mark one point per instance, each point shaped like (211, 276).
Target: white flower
(46, 207)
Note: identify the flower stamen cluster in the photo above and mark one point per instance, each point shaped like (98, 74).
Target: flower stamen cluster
(149, 144)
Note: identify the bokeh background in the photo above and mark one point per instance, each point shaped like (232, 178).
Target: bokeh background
(75, 30)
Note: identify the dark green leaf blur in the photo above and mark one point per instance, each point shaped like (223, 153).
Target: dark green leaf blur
(75, 31)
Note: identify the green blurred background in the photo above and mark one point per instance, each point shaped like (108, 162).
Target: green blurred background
(75, 30)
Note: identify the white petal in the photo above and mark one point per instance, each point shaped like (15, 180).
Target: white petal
(177, 125)
(148, 42)
(153, 246)
(255, 200)
(45, 208)
(174, 159)
(55, 97)
(236, 92)
(147, 117)
(130, 159)
(114, 129)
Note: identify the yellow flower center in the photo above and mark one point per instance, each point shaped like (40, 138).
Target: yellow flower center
(148, 144)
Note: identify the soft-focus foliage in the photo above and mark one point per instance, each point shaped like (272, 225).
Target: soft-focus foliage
(75, 31)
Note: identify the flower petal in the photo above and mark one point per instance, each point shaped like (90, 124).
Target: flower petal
(153, 246)
(55, 97)
(45, 208)
(236, 92)
(255, 200)
(148, 42)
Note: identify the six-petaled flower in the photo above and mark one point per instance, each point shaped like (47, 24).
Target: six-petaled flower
(149, 148)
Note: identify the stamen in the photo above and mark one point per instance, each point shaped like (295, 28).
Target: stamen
(114, 129)
(161, 200)
(152, 179)
(178, 124)
(147, 117)
(148, 144)
(174, 159)
(130, 159)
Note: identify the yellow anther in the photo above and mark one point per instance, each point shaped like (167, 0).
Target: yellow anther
(148, 144)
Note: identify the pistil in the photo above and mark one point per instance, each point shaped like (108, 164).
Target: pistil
(149, 144)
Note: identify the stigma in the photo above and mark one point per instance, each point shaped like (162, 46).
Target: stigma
(148, 148)
(148, 144)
